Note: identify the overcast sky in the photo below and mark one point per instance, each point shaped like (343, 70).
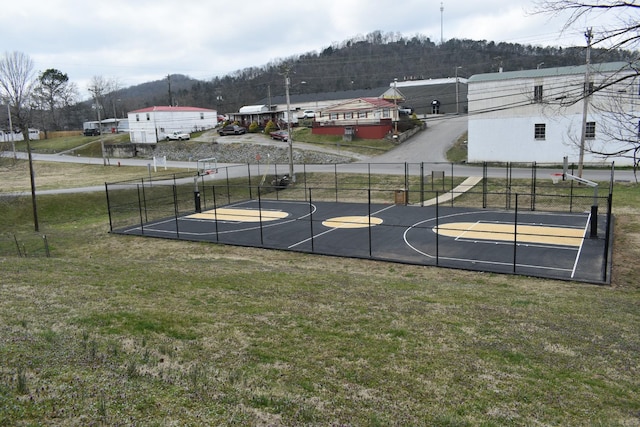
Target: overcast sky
(136, 41)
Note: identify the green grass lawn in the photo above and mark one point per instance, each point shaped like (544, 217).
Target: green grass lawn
(121, 330)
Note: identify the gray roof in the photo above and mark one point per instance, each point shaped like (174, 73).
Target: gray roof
(326, 96)
(608, 67)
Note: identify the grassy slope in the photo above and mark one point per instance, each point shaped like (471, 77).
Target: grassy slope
(126, 330)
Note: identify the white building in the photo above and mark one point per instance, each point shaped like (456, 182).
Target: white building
(537, 115)
(7, 136)
(153, 124)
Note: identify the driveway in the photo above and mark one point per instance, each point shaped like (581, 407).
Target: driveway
(431, 145)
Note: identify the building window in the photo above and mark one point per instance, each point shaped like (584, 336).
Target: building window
(148, 116)
(201, 116)
(386, 113)
(537, 93)
(540, 131)
(137, 117)
(333, 116)
(590, 131)
(362, 114)
(348, 116)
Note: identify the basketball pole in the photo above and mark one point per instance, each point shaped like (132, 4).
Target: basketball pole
(196, 193)
(594, 206)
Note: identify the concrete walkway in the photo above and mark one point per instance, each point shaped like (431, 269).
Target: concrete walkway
(465, 186)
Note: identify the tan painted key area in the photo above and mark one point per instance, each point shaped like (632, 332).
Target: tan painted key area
(240, 215)
(534, 234)
(351, 222)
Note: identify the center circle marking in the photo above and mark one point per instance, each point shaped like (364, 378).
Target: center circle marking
(352, 222)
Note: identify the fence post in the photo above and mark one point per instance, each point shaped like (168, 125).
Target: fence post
(437, 228)
(515, 234)
(484, 185)
(422, 184)
(249, 176)
(335, 179)
(534, 174)
(304, 171)
(142, 221)
(228, 188)
(106, 189)
(46, 246)
(508, 187)
(453, 196)
(311, 220)
(607, 236)
(176, 208)
(215, 211)
(369, 213)
(260, 216)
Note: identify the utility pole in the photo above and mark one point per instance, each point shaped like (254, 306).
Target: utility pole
(286, 88)
(170, 95)
(585, 104)
(13, 141)
(33, 180)
(457, 92)
(395, 103)
(441, 23)
(97, 92)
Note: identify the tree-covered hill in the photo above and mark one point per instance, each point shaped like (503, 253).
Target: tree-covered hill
(368, 61)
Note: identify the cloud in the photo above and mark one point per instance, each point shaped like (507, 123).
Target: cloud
(141, 40)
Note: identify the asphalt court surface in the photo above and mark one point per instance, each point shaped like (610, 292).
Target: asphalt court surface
(543, 244)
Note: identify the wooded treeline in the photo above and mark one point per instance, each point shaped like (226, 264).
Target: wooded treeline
(368, 61)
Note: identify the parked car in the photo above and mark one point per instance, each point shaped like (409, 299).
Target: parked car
(91, 132)
(281, 135)
(405, 110)
(232, 130)
(308, 114)
(178, 136)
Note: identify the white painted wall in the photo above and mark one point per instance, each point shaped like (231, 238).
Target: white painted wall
(503, 115)
(150, 125)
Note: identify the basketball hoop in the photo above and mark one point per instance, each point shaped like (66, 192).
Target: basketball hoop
(556, 177)
(207, 166)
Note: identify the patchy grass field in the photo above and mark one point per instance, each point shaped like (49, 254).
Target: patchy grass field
(118, 330)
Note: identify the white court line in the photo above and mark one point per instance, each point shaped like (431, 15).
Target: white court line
(575, 265)
(333, 229)
(475, 261)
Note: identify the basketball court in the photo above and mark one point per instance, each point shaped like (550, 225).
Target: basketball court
(543, 244)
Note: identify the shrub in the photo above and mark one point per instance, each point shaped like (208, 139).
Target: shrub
(270, 127)
(254, 127)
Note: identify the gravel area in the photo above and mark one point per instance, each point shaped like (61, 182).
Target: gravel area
(247, 149)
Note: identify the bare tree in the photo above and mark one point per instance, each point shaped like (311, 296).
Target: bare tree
(17, 79)
(619, 120)
(624, 33)
(99, 87)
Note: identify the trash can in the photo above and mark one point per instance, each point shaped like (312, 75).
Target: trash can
(401, 197)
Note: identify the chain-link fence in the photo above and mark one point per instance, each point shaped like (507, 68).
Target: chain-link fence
(506, 192)
(24, 245)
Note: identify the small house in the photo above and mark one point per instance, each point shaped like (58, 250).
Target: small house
(153, 124)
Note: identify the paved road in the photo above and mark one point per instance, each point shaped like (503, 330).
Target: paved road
(429, 147)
